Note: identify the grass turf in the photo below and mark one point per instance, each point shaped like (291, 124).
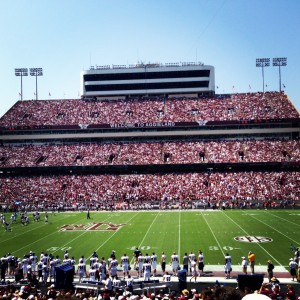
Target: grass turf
(213, 232)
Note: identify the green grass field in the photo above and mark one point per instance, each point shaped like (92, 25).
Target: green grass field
(268, 233)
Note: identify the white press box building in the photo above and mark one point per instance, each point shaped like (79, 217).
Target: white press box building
(192, 79)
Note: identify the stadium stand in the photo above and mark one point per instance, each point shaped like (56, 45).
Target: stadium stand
(254, 106)
(137, 148)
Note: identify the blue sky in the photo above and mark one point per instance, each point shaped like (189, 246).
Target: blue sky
(65, 37)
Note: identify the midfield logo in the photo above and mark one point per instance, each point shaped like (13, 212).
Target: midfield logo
(103, 226)
(253, 239)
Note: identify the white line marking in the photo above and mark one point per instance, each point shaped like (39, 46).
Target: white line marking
(214, 237)
(274, 259)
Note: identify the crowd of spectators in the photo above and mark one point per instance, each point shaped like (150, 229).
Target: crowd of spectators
(214, 292)
(249, 106)
(149, 153)
(136, 191)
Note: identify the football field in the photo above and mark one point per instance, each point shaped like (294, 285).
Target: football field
(270, 234)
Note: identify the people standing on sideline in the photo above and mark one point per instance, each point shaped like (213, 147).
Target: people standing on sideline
(194, 270)
(153, 263)
(244, 265)
(227, 266)
(81, 269)
(293, 268)
(147, 270)
(270, 268)
(136, 254)
(163, 263)
(185, 262)
(174, 263)
(88, 216)
(200, 262)
(125, 264)
(251, 258)
(191, 259)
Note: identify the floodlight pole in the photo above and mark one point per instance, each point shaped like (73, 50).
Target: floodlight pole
(279, 62)
(36, 72)
(21, 72)
(263, 62)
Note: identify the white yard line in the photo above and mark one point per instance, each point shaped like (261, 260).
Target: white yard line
(274, 259)
(213, 235)
(285, 220)
(113, 234)
(141, 243)
(288, 237)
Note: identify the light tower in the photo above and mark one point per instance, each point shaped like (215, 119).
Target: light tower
(21, 72)
(262, 63)
(279, 62)
(36, 72)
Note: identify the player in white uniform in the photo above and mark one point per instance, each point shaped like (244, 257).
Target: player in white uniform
(93, 260)
(200, 262)
(113, 268)
(147, 271)
(227, 266)
(92, 273)
(147, 258)
(153, 263)
(192, 257)
(140, 265)
(57, 261)
(81, 270)
(25, 264)
(45, 272)
(33, 259)
(51, 269)
(244, 265)
(174, 263)
(194, 270)
(125, 264)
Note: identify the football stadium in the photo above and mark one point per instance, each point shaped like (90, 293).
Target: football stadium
(151, 173)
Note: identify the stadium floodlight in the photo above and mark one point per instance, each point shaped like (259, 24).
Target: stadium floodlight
(36, 72)
(279, 62)
(21, 72)
(262, 63)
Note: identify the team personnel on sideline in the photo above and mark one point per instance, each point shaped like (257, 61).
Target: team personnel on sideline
(147, 270)
(251, 258)
(227, 266)
(140, 265)
(153, 263)
(293, 268)
(174, 263)
(200, 262)
(185, 262)
(81, 270)
(192, 257)
(244, 265)
(194, 270)
(163, 262)
(125, 264)
(28, 265)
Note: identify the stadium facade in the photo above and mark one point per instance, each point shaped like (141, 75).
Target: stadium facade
(151, 134)
(148, 80)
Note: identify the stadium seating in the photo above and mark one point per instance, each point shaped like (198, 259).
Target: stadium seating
(150, 153)
(252, 106)
(158, 187)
